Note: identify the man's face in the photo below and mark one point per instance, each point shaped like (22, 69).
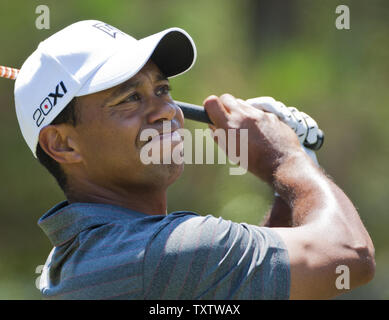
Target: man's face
(111, 122)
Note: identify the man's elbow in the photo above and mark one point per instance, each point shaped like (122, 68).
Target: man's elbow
(369, 265)
(365, 264)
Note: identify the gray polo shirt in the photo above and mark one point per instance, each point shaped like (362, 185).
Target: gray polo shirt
(109, 252)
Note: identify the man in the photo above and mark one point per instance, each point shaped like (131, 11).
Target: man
(82, 100)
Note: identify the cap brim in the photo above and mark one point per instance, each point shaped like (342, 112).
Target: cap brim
(172, 50)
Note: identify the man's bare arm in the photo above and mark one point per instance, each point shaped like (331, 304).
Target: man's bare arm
(326, 229)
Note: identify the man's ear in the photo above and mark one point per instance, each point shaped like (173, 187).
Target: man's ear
(58, 144)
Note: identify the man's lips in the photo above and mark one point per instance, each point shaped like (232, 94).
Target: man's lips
(171, 136)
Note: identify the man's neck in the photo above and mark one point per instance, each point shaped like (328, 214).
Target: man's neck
(146, 200)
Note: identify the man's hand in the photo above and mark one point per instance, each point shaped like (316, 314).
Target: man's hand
(270, 141)
(302, 124)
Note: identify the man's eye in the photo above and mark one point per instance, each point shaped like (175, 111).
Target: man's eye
(132, 98)
(163, 90)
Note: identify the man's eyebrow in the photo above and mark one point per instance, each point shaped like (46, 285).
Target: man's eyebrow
(161, 77)
(124, 88)
(120, 92)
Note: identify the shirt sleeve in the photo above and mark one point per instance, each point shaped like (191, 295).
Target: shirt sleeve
(196, 257)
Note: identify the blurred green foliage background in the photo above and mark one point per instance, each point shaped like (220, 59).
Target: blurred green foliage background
(288, 49)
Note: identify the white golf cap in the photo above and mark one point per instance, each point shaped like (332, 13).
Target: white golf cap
(87, 57)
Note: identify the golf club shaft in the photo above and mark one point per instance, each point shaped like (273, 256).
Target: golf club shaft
(197, 113)
(8, 72)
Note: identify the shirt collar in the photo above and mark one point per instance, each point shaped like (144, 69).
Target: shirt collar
(65, 221)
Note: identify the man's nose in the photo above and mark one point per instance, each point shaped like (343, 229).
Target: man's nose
(162, 111)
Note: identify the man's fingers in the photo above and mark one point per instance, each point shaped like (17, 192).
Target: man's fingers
(312, 128)
(230, 102)
(302, 124)
(267, 104)
(302, 127)
(216, 111)
(270, 105)
(220, 111)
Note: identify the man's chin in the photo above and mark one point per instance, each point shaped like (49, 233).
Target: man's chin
(173, 171)
(163, 166)
(163, 174)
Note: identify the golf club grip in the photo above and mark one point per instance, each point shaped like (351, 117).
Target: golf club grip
(197, 113)
(193, 112)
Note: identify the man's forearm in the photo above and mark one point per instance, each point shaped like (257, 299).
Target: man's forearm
(282, 213)
(312, 197)
(303, 189)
